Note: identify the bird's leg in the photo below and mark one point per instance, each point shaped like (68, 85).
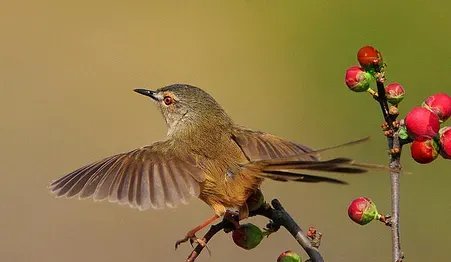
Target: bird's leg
(191, 235)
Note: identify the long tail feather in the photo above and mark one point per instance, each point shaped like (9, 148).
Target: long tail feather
(316, 152)
(282, 169)
(290, 176)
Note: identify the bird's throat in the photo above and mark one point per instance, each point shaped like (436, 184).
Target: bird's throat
(201, 137)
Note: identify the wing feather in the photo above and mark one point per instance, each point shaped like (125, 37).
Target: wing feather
(91, 185)
(170, 188)
(178, 181)
(258, 145)
(102, 191)
(145, 186)
(157, 192)
(152, 176)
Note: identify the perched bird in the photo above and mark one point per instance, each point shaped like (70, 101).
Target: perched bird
(205, 155)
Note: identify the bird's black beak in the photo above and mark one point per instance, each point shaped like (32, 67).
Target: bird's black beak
(146, 92)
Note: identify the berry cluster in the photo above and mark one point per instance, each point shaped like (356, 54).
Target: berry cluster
(423, 126)
(358, 78)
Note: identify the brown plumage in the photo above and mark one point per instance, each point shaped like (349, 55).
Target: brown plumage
(204, 155)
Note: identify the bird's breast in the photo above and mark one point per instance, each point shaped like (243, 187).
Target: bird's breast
(227, 184)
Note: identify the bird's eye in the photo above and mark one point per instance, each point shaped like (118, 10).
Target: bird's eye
(167, 100)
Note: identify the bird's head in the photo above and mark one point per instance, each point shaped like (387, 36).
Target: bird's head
(185, 106)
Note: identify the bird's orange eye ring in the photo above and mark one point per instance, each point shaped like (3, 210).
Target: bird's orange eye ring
(167, 100)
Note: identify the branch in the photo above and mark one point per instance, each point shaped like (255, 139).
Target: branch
(382, 99)
(394, 147)
(395, 164)
(279, 217)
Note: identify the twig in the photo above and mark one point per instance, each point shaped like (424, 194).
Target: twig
(395, 164)
(279, 217)
(394, 147)
(382, 99)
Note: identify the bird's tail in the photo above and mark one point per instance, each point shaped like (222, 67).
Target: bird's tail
(287, 169)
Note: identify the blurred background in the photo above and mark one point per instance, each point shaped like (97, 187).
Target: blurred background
(67, 71)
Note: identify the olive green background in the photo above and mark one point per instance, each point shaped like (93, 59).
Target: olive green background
(67, 70)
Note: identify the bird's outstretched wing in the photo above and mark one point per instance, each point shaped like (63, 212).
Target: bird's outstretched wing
(151, 176)
(258, 145)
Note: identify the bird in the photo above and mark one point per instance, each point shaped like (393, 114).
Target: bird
(204, 155)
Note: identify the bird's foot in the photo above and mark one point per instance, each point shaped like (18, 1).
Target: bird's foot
(192, 239)
(191, 235)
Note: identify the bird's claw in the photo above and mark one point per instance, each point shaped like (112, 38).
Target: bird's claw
(197, 241)
(192, 239)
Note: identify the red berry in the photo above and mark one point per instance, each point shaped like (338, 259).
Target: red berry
(422, 122)
(424, 150)
(368, 56)
(362, 211)
(445, 142)
(357, 79)
(289, 256)
(440, 104)
(247, 236)
(394, 93)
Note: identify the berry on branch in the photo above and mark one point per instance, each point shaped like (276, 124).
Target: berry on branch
(369, 58)
(247, 236)
(362, 211)
(289, 256)
(357, 79)
(394, 93)
(439, 104)
(424, 150)
(421, 122)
